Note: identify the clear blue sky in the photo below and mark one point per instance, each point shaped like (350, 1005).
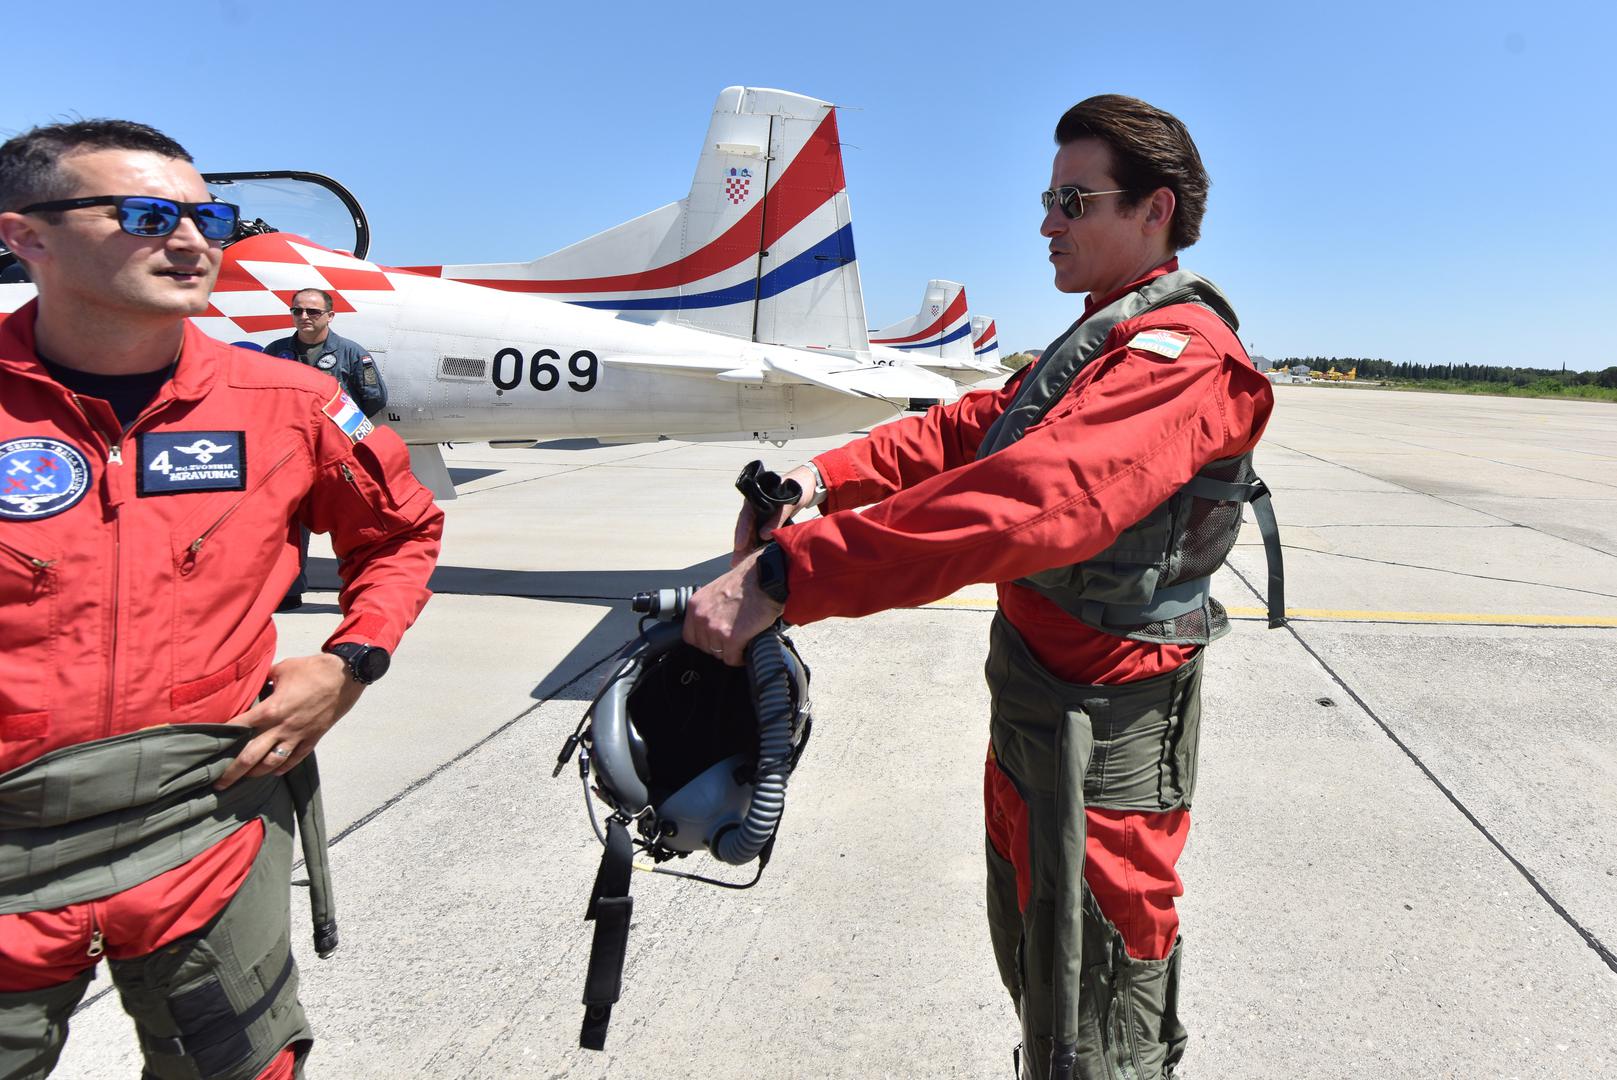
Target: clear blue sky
(1412, 181)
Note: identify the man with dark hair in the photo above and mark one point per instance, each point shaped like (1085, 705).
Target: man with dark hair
(317, 346)
(314, 345)
(153, 753)
(1100, 489)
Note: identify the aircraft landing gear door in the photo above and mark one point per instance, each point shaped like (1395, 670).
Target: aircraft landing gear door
(770, 412)
(305, 203)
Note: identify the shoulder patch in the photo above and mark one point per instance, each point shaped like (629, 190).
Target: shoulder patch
(342, 411)
(1162, 342)
(40, 478)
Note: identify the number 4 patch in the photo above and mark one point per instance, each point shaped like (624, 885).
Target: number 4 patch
(1162, 342)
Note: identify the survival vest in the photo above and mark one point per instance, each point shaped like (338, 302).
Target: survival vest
(1153, 582)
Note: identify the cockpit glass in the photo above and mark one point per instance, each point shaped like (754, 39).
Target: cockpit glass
(312, 206)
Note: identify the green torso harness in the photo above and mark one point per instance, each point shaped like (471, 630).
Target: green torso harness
(90, 820)
(1152, 583)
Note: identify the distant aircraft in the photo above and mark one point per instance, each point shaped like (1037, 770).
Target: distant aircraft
(650, 347)
(938, 337)
(985, 340)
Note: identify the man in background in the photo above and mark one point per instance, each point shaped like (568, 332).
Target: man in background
(314, 345)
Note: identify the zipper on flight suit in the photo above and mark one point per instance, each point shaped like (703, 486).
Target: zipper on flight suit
(41, 567)
(348, 475)
(98, 940)
(114, 457)
(192, 550)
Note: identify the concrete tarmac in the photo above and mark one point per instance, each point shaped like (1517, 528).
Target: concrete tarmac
(1403, 862)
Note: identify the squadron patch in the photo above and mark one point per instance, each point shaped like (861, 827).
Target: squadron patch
(326, 362)
(177, 462)
(342, 411)
(40, 478)
(1162, 342)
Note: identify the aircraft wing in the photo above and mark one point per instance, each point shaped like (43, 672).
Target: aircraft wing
(890, 383)
(896, 382)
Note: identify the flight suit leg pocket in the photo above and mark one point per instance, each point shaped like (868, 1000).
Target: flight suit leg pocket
(1179, 764)
(220, 1005)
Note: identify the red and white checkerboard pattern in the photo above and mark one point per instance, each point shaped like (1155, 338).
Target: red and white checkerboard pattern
(735, 189)
(261, 274)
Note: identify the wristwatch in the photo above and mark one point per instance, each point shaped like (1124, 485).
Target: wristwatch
(820, 490)
(772, 572)
(365, 663)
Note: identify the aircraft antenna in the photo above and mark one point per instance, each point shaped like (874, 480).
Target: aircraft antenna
(763, 230)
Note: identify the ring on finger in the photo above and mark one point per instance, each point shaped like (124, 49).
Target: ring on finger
(281, 752)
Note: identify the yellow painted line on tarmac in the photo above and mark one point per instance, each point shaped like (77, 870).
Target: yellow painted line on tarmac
(1331, 615)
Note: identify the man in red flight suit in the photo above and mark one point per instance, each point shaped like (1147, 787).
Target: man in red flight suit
(1100, 489)
(152, 486)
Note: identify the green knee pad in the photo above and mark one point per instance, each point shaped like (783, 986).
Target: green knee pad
(1128, 1011)
(221, 1004)
(1130, 1019)
(33, 1027)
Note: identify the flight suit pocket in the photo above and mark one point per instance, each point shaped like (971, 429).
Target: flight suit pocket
(369, 508)
(1179, 774)
(29, 587)
(228, 552)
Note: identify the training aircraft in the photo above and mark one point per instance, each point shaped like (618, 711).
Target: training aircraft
(985, 341)
(734, 313)
(938, 338)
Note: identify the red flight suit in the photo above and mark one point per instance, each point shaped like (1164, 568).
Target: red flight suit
(1132, 429)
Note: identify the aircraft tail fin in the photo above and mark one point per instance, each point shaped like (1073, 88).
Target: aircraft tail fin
(761, 248)
(985, 340)
(942, 328)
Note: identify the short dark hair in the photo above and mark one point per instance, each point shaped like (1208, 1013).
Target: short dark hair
(30, 163)
(329, 302)
(1150, 149)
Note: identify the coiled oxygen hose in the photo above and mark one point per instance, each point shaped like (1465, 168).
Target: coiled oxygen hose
(772, 698)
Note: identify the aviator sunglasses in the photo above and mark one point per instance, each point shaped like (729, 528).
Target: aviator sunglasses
(1072, 199)
(147, 215)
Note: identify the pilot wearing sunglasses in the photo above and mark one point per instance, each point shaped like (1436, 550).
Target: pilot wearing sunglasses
(1099, 490)
(316, 345)
(154, 753)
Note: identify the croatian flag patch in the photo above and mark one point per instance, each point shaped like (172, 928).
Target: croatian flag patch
(1162, 342)
(346, 415)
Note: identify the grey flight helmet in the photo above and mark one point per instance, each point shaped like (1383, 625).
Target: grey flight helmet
(695, 753)
(695, 756)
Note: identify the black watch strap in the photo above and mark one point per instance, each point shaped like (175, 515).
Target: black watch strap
(365, 663)
(772, 572)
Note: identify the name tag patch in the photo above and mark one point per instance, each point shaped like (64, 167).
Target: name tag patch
(342, 411)
(1162, 342)
(176, 462)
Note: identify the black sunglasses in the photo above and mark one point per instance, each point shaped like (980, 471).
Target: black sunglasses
(1072, 199)
(299, 312)
(146, 215)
